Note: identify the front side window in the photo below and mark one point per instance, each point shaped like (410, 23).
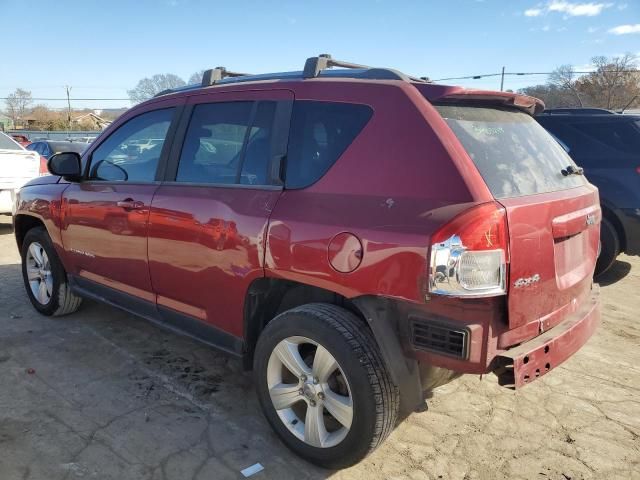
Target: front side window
(228, 143)
(132, 152)
(320, 133)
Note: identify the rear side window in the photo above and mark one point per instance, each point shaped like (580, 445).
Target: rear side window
(320, 133)
(513, 153)
(228, 143)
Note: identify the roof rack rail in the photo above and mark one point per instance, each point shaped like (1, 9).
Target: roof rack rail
(210, 77)
(314, 66)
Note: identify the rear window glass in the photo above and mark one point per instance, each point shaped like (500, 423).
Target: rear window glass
(513, 153)
(320, 133)
(8, 144)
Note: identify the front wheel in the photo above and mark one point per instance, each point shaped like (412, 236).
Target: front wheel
(323, 386)
(44, 276)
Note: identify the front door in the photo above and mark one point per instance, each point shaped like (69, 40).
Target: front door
(208, 221)
(105, 217)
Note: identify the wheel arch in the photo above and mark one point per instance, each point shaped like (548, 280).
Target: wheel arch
(268, 297)
(22, 223)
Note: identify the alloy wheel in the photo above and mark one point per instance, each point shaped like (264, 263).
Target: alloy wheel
(310, 392)
(39, 273)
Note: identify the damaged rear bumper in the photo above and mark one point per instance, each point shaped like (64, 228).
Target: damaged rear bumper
(528, 361)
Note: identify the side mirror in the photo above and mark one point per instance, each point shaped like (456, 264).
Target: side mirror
(67, 165)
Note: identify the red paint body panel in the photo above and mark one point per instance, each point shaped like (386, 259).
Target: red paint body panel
(564, 264)
(206, 246)
(42, 201)
(104, 242)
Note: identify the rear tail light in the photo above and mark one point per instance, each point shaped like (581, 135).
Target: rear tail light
(469, 255)
(43, 167)
(638, 169)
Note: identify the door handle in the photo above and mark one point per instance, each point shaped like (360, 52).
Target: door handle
(130, 204)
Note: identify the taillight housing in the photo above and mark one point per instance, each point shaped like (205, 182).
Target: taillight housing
(43, 167)
(469, 255)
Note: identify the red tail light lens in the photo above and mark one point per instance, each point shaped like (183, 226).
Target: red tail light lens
(43, 167)
(469, 255)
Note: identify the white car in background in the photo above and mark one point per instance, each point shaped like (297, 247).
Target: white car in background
(17, 167)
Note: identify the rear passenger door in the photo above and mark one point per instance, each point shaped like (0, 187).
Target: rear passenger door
(208, 218)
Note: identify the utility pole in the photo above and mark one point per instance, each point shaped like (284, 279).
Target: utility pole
(68, 88)
(502, 80)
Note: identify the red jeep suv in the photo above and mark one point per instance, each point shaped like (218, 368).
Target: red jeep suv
(355, 236)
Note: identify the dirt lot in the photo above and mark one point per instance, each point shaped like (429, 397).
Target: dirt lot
(111, 396)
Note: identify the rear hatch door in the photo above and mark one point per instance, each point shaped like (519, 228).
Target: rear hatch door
(553, 216)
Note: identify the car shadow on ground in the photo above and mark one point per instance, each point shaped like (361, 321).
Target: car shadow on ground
(616, 272)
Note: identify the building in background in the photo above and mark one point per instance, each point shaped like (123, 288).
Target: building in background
(5, 123)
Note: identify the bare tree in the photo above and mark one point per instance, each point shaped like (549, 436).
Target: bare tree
(564, 77)
(17, 104)
(148, 87)
(614, 82)
(552, 95)
(196, 77)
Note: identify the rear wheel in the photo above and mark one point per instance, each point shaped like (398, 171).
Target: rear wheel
(44, 277)
(323, 386)
(609, 247)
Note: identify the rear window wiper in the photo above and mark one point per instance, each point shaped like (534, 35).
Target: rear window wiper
(571, 170)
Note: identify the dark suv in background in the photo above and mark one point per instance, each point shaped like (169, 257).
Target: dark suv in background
(607, 146)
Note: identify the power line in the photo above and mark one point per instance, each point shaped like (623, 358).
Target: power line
(486, 75)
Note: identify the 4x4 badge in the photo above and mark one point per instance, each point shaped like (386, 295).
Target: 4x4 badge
(525, 282)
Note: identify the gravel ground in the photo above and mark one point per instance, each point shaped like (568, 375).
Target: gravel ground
(102, 394)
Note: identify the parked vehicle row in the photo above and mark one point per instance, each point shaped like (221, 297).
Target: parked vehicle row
(355, 236)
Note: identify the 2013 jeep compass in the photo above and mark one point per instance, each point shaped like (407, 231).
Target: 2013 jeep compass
(356, 236)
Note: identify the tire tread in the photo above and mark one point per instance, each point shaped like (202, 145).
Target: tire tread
(360, 338)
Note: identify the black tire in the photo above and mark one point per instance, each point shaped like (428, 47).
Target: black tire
(62, 301)
(374, 396)
(609, 247)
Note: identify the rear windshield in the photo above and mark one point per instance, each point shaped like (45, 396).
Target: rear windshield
(7, 143)
(513, 153)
